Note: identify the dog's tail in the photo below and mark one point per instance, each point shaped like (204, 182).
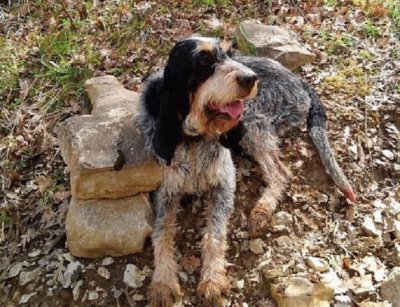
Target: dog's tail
(316, 125)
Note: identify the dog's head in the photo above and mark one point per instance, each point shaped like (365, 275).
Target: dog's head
(203, 93)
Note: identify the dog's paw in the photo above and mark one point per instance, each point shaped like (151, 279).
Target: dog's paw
(259, 220)
(213, 292)
(164, 294)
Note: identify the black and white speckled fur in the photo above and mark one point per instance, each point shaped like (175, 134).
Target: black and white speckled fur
(283, 102)
(196, 165)
(199, 166)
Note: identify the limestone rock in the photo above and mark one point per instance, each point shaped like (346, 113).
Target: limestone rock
(27, 277)
(390, 289)
(299, 292)
(71, 274)
(106, 94)
(132, 276)
(370, 228)
(257, 246)
(375, 304)
(282, 218)
(281, 221)
(92, 146)
(273, 42)
(105, 152)
(106, 227)
(317, 264)
(15, 269)
(107, 261)
(26, 297)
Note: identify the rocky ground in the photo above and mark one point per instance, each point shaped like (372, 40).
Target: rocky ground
(318, 247)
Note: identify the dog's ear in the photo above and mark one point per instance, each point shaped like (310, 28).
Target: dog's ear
(174, 101)
(232, 138)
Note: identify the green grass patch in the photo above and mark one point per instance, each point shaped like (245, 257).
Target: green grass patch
(211, 3)
(394, 14)
(59, 45)
(371, 30)
(330, 3)
(350, 80)
(217, 32)
(365, 55)
(11, 63)
(336, 44)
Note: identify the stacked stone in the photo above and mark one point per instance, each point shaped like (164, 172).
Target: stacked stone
(111, 174)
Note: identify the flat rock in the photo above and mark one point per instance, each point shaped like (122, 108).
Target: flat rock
(390, 289)
(281, 221)
(257, 246)
(388, 154)
(26, 297)
(108, 227)
(93, 295)
(31, 276)
(375, 304)
(282, 218)
(299, 292)
(254, 38)
(132, 276)
(71, 274)
(15, 269)
(370, 228)
(317, 264)
(103, 272)
(362, 285)
(106, 94)
(105, 152)
(107, 261)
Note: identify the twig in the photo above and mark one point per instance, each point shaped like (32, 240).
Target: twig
(296, 4)
(128, 297)
(68, 15)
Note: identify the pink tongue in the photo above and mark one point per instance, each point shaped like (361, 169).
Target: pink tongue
(234, 109)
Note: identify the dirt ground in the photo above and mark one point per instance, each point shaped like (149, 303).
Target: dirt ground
(357, 73)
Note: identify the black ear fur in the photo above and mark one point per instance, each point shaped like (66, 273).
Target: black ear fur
(174, 100)
(232, 138)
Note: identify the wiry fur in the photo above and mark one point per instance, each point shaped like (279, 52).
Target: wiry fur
(177, 130)
(283, 101)
(188, 141)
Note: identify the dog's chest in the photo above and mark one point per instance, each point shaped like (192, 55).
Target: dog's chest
(196, 167)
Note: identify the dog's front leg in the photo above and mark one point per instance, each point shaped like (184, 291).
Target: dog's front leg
(164, 290)
(213, 282)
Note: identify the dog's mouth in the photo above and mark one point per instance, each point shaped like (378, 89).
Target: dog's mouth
(228, 111)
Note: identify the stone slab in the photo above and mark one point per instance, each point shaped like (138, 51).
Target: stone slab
(106, 93)
(108, 227)
(254, 38)
(106, 152)
(390, 289)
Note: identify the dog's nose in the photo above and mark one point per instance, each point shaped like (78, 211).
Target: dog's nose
(247, 81)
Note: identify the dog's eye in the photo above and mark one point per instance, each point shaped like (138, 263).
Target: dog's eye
(229, 52)
(206, 59)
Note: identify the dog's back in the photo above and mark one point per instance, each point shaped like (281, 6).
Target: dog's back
(285, 101)
(281, 96)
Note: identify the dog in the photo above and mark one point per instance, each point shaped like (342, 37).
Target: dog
(184, 110)
(192, 114)
(284, 101)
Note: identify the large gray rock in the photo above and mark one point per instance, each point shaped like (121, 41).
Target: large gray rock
(390, 289)
(108, 227)
(253, 38)
(105, 151)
